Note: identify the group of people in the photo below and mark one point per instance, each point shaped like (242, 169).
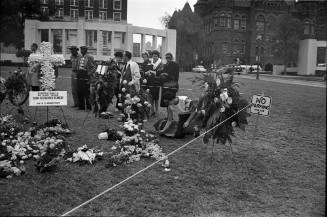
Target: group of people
(153, 75)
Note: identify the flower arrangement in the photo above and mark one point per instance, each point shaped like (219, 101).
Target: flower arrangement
(47, 61)
(134, 144)
(220, 101)
(19, 145)
(85, 155)
(136, 107)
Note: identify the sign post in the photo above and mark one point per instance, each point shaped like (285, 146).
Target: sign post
(261, 106)
(48, 98)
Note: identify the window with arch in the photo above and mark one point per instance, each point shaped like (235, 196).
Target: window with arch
(236, 22)
(260, 23)
(229, 21)
(222, 20)
(243, 22)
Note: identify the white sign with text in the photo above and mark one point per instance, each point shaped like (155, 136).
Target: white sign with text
(48, 98)
(261, 105)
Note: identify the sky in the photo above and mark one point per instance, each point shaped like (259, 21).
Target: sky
(147, 13)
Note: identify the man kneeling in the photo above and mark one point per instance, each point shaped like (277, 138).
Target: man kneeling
(188, 117)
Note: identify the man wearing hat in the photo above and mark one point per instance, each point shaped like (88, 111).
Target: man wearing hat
(74, 60)
(86, 69)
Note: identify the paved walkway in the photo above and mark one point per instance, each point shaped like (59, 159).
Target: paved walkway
(286, 81)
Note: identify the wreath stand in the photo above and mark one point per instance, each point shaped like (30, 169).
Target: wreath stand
(47, 115)
(230, 151)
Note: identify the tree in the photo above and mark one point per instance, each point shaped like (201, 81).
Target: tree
(287, 34)
(12, 18)
(188, 28)
(165, 20)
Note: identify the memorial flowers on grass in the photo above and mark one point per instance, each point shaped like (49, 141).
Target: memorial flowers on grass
(220, 101)
(18, 145)
(132, 144)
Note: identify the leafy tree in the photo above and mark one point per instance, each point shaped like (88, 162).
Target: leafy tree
(287, 34)
(189, 34)
(165, 20)
(12, 18)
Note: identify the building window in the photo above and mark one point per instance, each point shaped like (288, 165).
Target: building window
(237, 48)
(229, 21)
(103, 4)
(260, 23)
(243, 23)
(237, 22)
(243, 47)
(57, 41)
(59, 12)
(103, 15)
(89, 15)
(256, 51)
(74, 13)
(74, 3)
(117, 4)
(44, 2)
(215, 22)
(117, 16)
(106, 38)
(225, 48)
(89, 3)
(222, 20)
(44, 10)
(59, 2)
(91, 38)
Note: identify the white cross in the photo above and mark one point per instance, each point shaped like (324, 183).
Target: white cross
(47, 60)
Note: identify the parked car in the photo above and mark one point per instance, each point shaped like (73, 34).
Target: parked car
(199, 69)
(321, 70)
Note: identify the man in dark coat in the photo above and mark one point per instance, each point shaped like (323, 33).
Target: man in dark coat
(74, 59)
(169, 78)
(86, 69)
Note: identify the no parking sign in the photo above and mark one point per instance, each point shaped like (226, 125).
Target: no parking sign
(261, 105)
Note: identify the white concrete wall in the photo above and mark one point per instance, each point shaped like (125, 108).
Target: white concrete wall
(12, 57)
(32, 34)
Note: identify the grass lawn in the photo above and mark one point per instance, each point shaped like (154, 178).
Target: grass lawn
(281, 174)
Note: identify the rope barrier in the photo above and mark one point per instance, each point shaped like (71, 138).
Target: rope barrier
(154, 163)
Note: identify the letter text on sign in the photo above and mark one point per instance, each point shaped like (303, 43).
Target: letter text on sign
(261, 105)
(48, 98)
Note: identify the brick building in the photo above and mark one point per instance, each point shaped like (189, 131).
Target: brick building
(241, 29)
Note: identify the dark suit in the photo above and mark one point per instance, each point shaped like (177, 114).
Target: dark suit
(169, 80)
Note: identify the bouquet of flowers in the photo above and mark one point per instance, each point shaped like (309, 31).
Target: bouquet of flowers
(136, 107)
(85, 155)
(18, 145)
(220, 101)
(133, 145)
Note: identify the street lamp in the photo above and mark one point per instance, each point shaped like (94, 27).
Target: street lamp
(258, 40)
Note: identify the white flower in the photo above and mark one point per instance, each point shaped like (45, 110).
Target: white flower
(206, 86)
(124, 82)
(222, 109)
(119, 95)
(119, 104)
(128, 96)
(139, 105)
(113, 148)
(123, 90)
(234, 124)
(145, 81)
(216, 99)
(146, 102)
(229, 100)
(203, 112)
(130, 83)
(218, 82)
(148, 90)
